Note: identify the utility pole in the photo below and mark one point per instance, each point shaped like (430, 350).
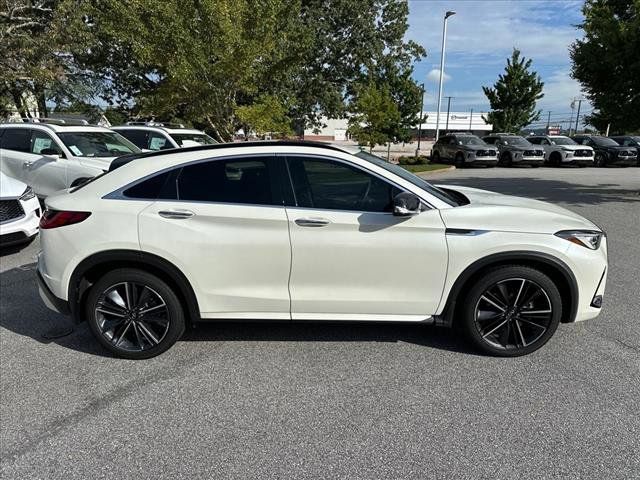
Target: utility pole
(420, 121)
(548, 121)
(578, 116)
(444, 41)
(470, 119)
(573, 107)
(448, 109)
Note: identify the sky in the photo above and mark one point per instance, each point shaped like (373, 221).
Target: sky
(482, 35)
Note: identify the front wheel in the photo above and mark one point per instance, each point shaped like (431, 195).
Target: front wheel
(134, 314)
(600, 160)
(513, 310)
(435, 157)
(459, 161)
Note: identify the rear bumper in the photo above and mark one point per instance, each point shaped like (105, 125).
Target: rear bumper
(50, 300)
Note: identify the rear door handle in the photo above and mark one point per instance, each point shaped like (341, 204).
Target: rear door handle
(312, 222)
(176, 214)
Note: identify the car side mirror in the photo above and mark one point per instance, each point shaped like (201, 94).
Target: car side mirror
(406, 204)
(50, 152)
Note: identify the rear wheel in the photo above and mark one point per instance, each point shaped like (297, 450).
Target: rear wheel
(435, 157)
(513, 310)
(134, 314)
(600, 160)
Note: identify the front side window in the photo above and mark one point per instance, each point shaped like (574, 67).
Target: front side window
(563, 141)
(515, 141)
(42, 141)
(470, 140)
(332, 185)
(243, 181)
(97, 144)
(17, 139)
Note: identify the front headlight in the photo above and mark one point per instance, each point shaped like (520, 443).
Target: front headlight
(28, 194)
(585, 238)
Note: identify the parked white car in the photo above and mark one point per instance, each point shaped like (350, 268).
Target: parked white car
(309, 232)
(19, 212)
(561, 150)
(159, 136)
(51, 157)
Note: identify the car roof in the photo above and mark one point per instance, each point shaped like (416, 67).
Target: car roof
(123, 160)
(56, 128)
(154, 128)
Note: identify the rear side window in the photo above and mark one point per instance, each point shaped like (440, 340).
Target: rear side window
(158, 142)
(18, 139)
(158, 186)
(42, 141)
(243, 181)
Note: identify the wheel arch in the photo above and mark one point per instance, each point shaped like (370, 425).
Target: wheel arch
(93, 267)
(556, 269)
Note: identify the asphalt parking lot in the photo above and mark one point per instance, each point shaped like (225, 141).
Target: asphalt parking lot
(329, 401)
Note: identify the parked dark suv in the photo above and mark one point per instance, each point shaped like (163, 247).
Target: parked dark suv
(629, 141)
(464, 149)
(607, 151)
(516, 150)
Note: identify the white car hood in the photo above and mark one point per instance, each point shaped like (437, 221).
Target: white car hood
(573, 148)
(10, 187)
(494, 211)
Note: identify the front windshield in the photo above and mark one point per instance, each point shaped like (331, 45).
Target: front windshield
(409, 177)
(192, 139)
(97, 144)
(605, 142)
(515, 141)
(563, 141)
(470, 140)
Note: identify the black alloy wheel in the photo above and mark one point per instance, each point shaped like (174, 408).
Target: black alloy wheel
(600, 160)
(512, 311)
(459, 162)
(134, 314)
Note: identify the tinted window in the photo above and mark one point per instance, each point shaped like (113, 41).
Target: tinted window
(17, 139)
(489, 140)
(42, 141)
(229, 181)
(97, 144)
(137, 137)
(152, 188)
(330, 185)
(536, 141)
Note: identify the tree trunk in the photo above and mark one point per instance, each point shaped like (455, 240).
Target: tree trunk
(20, 106)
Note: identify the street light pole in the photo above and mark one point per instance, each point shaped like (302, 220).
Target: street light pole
(420, 121)
(448, 110)
(444, 41)
(575, 130)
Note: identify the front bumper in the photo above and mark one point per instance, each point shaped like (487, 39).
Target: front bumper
(518, 158)
(627, 161)
(21, 229)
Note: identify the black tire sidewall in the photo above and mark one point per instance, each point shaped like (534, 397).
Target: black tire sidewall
(174, 306)
(459, 160)
(493, 276)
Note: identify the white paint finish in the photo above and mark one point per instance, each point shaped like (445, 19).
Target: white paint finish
(366, 263)
(11, 188)
(237, 257)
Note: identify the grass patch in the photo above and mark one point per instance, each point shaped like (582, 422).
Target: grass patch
(424, 167)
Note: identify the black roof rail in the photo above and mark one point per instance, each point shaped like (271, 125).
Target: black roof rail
(123, 160)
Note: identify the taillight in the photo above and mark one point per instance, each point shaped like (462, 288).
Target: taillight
(56, 218)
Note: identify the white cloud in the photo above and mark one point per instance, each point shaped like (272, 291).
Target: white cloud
(434, 76)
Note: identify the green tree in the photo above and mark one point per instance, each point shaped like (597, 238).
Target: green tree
(375, 117)
(607, 64)
(513, 97)
(266, 115)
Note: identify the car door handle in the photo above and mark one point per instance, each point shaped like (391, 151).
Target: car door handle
(312, 222)
(176, 214)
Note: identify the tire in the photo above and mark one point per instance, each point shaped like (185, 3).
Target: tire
(126, 332)
(555, 159)
(459, 161)
(505, 159)
(511, 332)
(600, 161)
(435, 157)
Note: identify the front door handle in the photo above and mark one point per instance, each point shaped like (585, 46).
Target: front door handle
(312, 222)
(176, 214)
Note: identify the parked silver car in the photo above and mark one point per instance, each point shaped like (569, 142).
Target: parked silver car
(464, 149)
(515, 150)
(561, 150)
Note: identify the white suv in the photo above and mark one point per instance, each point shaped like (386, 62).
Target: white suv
(309, 232)
(54, 157)
(160, 136)
(560, 150)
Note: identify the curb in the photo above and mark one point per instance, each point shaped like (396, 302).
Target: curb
(436, 172)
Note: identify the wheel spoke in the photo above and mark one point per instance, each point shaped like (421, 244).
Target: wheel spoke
(515, 302)
(524, 343)
(138, 337)
(494, 329)
(504, 292)
(116, 298)
(534, 312)
(151, 309)
(110, 311)
(488, 300)
(531, 323)
(127, 296)
(121, 336)
(143, 297)
(147, 333)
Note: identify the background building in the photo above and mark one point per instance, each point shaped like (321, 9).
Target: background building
(458, 122)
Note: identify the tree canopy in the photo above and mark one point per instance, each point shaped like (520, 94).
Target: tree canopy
(265, 65)
(513, 97)
(607, 64)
